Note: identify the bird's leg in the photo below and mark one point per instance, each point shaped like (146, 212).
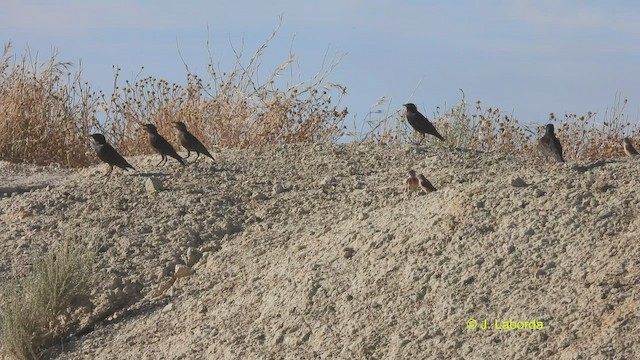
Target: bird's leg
(188, 154)
(108, 172)
(162, 158)
(197, 156)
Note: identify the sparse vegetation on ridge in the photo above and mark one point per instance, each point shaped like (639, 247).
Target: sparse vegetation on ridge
(49, 111)
(38, 307)
(491, 129)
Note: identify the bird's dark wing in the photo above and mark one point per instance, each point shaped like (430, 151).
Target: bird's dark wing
(422, 125)
(196, 145)
(164, 148)
(550, 147)
(557, 149)
(109, 155)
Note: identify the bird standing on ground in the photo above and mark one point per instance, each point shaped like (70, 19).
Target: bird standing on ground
(549, 145)
(420, 123)
(190, 142)
(412, 183)
(161, 145)
(629, 149)
(426, 184)
(108, 154)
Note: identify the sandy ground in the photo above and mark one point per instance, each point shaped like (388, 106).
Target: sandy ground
(303, 252)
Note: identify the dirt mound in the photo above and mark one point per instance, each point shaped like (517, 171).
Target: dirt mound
(317, 252)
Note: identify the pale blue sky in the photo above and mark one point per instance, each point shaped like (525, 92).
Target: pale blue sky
(525, 56)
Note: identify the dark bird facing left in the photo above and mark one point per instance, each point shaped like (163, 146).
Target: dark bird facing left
(161, 145)
(108, 154)
(420, 123)
(190, 142)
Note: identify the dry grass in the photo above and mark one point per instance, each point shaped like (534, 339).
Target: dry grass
(45, 115)
(38, 308)
(490, 129)
(49, 112)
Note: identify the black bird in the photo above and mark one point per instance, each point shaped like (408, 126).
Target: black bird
(549, 145)
(190, 142)
(420, 123)
(161, 145)
(108, 154)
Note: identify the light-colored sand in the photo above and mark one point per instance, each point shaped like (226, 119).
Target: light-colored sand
(345, 264)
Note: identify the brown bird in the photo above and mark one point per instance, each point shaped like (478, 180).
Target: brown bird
(549, 145)
(420, 123)
(108, 154)
(629, 149)
(190, 142)
(426, 184)
(161, 145)
(412, 183)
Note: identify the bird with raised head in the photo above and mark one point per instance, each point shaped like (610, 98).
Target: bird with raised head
(161, 145)
(190, 142)
(412, 183)
(108, 154)
(420, 123)
(549, 145)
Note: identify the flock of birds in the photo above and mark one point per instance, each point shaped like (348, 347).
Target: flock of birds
(111, 156)
(548, 145)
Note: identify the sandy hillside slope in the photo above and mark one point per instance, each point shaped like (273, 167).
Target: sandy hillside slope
(315, 251)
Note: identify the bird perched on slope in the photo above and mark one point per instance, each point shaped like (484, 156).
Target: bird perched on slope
(549, 145)
(426, 184)
(161, 145)
(629, 149)
(412, 183)
(108, 154)
(420, 123)
(190, 142)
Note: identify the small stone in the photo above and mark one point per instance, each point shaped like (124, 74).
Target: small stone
(183, 271)
(518, 182)
(363, 216)
(469, 280)
(153, 184)
(349, 252)
(168, 307)
(328, 181)
(541, 273)
(193, 256)
(278, 189)
(258, 196)
(538, 193)
(528, 232)
(169, 268)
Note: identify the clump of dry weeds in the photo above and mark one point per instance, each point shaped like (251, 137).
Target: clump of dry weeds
(49, 112)
(39, 307)
(45, 114)
(492, 130)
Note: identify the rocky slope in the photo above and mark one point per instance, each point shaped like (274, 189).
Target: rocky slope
(316, 251)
